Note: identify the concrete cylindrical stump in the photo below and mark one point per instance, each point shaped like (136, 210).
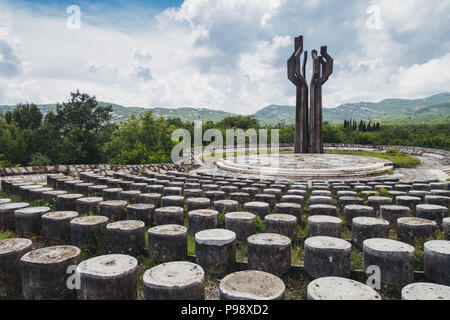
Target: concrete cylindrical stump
(320, 200)
(214, 195)
(293, 199)
(411, 230)
(251, 285)
(115, 210)
(261, 209)
(392, 212)
(431, 212)
(375, 202)
(108, 277)
(284, 224)
(178, 280)
(167, 242)
(192, 193)
(56, 226)
(224, 206)
(197, 203)
(242, 223)
(172, 201)
(215, 250)
(45, 273)
(425, 291)
(293, 209)
(438, 200)
(394, 258)
(28, 220)
(437, 261)
(88, 232)
(322, 210)
(328, 226)
(112, 193)
(446, 228)
(7, 220)
(127, 236)
(169, 215)
(11, 250)
(67, 202)
(336, 288)
(89, 205)
(202, 219)
(327, 256)
(240, 197)
(151, 198)
(408, 201)
(144, 212)
(345, 201)
(368, 227)
(131, 196)
(354, 210)
(269, 252)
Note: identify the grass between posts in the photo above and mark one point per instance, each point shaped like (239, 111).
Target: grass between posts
(400, 160)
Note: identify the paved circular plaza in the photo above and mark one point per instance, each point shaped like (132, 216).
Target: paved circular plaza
(306, 165)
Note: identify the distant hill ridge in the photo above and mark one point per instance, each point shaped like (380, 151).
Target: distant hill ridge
(434, 108)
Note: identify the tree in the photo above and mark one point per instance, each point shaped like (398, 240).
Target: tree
(85, 127)
(141, 140)
(25, 116)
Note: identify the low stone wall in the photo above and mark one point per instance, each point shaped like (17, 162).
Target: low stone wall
(74, 170)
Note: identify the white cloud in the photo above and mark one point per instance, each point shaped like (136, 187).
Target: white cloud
(224, 54)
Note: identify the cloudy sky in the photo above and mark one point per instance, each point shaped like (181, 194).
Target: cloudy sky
(220, 54)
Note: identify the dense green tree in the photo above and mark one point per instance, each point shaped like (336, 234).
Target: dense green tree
(25, 116)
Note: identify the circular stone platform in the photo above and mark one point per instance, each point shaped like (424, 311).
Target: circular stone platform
(306, 165)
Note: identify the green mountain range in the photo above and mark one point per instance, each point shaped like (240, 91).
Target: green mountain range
(435, 108)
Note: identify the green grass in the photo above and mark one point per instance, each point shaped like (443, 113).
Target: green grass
(6, 234)
(191, 244)
(400, 160)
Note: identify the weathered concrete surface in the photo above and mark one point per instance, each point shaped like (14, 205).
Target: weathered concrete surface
(144, 212)
(179, 280)
(251, 285)
(56, 226)
(169, 215)
(28, 220)
(7, 220)
(127, 236)
(242, 223)
(327, 256)
(44, 273)
(269, 252)
(202, 219)
(432, 212)
(167, 242)
(215, 250)
(336, 288)
(108, 277)
(11, 250)
(394, 258)
(328, 226)
(284, 224)
(113, 209)
(88, 231)
(425, 291)
(413, 230)
(437, 261)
